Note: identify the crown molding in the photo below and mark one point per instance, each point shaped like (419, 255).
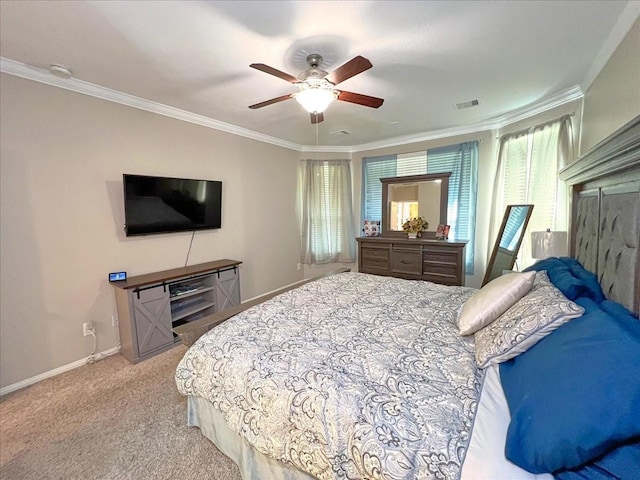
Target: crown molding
(496, 123)
(86, 88)
(569, 95)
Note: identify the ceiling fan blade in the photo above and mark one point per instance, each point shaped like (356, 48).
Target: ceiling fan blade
(317, 117)
(353, 67)
(360, 99)
(272, 71)
(270, 102)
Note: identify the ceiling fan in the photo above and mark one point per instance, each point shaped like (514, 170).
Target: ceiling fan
(316, 88)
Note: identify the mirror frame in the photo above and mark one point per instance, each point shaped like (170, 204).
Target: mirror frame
(514, 253)
(444, 200)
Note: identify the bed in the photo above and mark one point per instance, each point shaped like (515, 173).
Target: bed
(362, 376)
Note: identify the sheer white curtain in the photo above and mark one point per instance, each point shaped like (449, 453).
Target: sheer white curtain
(325, 209)
(528, 166)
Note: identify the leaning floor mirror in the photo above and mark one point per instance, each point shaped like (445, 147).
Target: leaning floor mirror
(505, 250)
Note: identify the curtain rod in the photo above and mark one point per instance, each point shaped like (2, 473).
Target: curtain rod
(543, 124)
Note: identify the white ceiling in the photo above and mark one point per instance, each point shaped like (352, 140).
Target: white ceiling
(427, 56)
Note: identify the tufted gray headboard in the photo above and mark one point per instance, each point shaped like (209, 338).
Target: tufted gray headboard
(605, 226)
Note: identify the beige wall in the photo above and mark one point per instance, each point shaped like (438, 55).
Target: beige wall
(62, 159)
(613, 98)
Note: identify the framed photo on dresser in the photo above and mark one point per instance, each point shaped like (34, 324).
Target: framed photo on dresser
(442, 232)
(371, 228)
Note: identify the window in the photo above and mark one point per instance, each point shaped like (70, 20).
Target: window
(460, 159)
(325, 209)
(528, 165)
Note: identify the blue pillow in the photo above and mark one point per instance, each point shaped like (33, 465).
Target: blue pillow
(575, 395)
(570, 277)
(589, 280)
(623, 462)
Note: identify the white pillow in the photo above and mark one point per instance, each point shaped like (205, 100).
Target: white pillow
(492, 300)
(524, 324)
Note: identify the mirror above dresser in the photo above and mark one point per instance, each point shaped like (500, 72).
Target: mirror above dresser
(414, 196)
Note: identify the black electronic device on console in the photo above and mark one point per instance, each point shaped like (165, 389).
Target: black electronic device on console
(117, 276)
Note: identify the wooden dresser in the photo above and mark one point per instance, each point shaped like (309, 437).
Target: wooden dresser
(439, 261)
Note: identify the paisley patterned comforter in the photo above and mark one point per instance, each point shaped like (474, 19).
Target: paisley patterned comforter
(353, 376)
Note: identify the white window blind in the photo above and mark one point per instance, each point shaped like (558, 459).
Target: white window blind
(325, 211)
(528, 166)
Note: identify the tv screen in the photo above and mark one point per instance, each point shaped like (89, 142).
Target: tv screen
(161, 204)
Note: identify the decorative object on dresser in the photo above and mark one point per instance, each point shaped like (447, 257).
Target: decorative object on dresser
(371, 228)
(442, 232)
(415, 226)
(150, 305)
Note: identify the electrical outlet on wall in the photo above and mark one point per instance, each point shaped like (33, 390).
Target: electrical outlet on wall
(114, 320)
(87, 328)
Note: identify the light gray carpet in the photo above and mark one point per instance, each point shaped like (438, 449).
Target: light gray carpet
(108, 420)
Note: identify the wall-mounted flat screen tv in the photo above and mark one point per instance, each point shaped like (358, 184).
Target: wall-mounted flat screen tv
(163, 204)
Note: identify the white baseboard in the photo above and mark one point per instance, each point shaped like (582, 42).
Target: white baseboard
(56, 371)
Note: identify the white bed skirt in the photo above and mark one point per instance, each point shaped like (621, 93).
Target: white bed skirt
(252, 464)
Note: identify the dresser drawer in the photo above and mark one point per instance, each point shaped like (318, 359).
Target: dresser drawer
(375, 257)
(441, 255)
(442, 279)
(407, 260)
(443, 265)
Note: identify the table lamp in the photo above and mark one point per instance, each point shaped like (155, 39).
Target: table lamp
(548, 244)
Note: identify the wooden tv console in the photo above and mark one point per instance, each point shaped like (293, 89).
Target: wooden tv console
(150, 306)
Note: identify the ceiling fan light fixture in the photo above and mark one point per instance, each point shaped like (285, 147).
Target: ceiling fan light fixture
(315, 100)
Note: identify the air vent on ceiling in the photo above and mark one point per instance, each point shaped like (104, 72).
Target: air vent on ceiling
(471, 103)
(340, 132)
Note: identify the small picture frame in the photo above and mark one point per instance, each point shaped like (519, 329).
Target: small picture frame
(442, 232)
(371, 228)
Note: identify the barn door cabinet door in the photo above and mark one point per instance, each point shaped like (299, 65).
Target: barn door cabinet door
(227, 284)
(152, 312)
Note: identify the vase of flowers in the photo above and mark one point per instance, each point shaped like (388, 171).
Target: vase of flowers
(414, 226)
